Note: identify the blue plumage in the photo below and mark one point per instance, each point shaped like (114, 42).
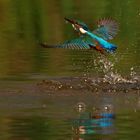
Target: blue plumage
(97, 39)
(103, 43)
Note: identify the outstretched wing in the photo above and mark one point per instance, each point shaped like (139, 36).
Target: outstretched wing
(79, 43)
(107, 28)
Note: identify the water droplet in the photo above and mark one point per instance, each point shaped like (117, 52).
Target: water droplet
(44, 105)
(60, 86)
(131, 68)
(85, 75)
(85, 80)
(106, 107)
(81, 106)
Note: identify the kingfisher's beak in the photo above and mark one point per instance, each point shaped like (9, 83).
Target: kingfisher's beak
(76, 25)
(73, 22)
(70, 21)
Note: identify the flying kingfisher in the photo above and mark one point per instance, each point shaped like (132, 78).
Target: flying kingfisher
(96, 39)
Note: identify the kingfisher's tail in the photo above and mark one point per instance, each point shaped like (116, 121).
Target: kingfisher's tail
(112, 48)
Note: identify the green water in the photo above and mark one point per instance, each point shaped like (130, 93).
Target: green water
(55, 117)
(40, 89)
(24, 24)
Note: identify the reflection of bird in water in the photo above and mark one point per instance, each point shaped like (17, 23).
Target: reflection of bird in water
(100, 121)
(97, 39)
(106, 112)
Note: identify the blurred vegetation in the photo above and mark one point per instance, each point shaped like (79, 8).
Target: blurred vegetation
(25, 23)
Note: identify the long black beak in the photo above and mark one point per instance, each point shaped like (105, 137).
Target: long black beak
(70, 20)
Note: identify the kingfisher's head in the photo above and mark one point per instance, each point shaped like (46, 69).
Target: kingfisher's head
(78, 26)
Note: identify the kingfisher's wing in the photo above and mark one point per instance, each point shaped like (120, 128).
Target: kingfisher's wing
(79, 43)
(107, 29)
(83, 42)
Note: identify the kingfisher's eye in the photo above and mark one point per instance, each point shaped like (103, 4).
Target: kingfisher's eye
(85, 28)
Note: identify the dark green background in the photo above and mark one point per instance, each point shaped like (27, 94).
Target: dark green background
(25, 23)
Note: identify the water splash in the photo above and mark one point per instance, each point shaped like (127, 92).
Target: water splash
(111, 75)
(111, 80)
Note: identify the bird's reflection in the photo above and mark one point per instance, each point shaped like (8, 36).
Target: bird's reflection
(99, 120)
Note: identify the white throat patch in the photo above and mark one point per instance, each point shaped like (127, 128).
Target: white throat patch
(82, 30)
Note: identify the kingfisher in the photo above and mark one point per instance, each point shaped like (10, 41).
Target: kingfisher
(97, 39)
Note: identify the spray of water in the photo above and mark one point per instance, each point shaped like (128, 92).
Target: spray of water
(111, 75)
(111, 79)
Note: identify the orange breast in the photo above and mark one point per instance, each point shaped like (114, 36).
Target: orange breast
(99, 48)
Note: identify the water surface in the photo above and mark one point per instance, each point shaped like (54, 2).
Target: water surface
(58, 94)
